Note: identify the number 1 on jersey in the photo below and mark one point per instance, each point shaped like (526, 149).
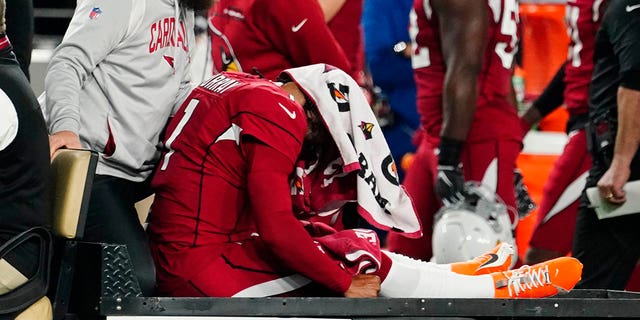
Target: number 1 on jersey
(188, 112)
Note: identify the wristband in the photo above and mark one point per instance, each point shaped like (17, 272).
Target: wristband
(450, 151)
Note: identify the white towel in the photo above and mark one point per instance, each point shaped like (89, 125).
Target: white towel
(382, 201)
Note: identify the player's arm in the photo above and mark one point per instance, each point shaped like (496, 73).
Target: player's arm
(463, 33)
(550, 99)
(287, 240)
(330, 8)
(623, 30)
(626, 146)
(299, 32)
(75, 59)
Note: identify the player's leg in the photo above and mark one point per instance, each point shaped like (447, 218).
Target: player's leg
(492, 163)
(239, 270)
(358, 252)
(411, 278)
(553, 235)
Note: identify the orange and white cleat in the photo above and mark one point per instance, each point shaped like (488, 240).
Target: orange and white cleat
(542, 280)
(496, 260)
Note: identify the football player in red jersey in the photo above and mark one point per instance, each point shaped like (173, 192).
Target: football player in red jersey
(462, 60)
(269, 36)
(222, 223)
(553, 234)
(343, 19)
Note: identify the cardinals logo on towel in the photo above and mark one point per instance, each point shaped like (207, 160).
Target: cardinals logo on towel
(340, 95)
(367, 128)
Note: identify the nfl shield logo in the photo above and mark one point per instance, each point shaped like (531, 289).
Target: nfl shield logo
(95, 13)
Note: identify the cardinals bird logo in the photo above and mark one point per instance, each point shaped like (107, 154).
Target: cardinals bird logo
(296, 186)
(169, 60)
(229, 63)
(366, 128)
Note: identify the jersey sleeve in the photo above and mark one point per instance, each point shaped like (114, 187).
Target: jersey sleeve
(283, 234)
(272, 119)
(298, 30)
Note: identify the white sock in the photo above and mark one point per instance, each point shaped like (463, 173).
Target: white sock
(410, 278)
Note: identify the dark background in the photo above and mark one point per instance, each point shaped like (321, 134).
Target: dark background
(52, 16)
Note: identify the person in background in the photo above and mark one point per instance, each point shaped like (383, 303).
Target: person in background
(388, 54)
(20, 24)
(25, 178)
(120, 72)
(267, 36)
(610, 248)
(343, 18)
(553, 234)
(463, 53)
(244, 137)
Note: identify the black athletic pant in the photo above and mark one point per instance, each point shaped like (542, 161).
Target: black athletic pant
(609, 249)
(113, 218)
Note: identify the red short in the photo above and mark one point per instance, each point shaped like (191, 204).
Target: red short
(493, 163)
(560, 197)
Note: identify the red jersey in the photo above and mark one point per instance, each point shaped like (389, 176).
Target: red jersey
(495, 116)
(205, 163)
(271, 35)
(583, 20)
(347, 30)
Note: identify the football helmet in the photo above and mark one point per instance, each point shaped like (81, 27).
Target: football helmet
(471, 227)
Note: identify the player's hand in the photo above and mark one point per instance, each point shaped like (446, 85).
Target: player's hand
(611, 183)
(63, 139)
(317, 229)
(450, 184)
(363, 286)
(525, 127)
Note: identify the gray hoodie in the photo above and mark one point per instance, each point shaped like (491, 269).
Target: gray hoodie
(119, 73)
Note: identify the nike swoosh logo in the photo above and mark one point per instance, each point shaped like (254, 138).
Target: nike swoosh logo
(299, 25)
(291, 114)
(631, 8)
(494, 258)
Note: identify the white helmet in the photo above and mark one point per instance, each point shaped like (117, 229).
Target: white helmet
(472, 227)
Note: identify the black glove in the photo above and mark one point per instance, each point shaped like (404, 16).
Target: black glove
(450, 184)
(523, 199)
(450, 181)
